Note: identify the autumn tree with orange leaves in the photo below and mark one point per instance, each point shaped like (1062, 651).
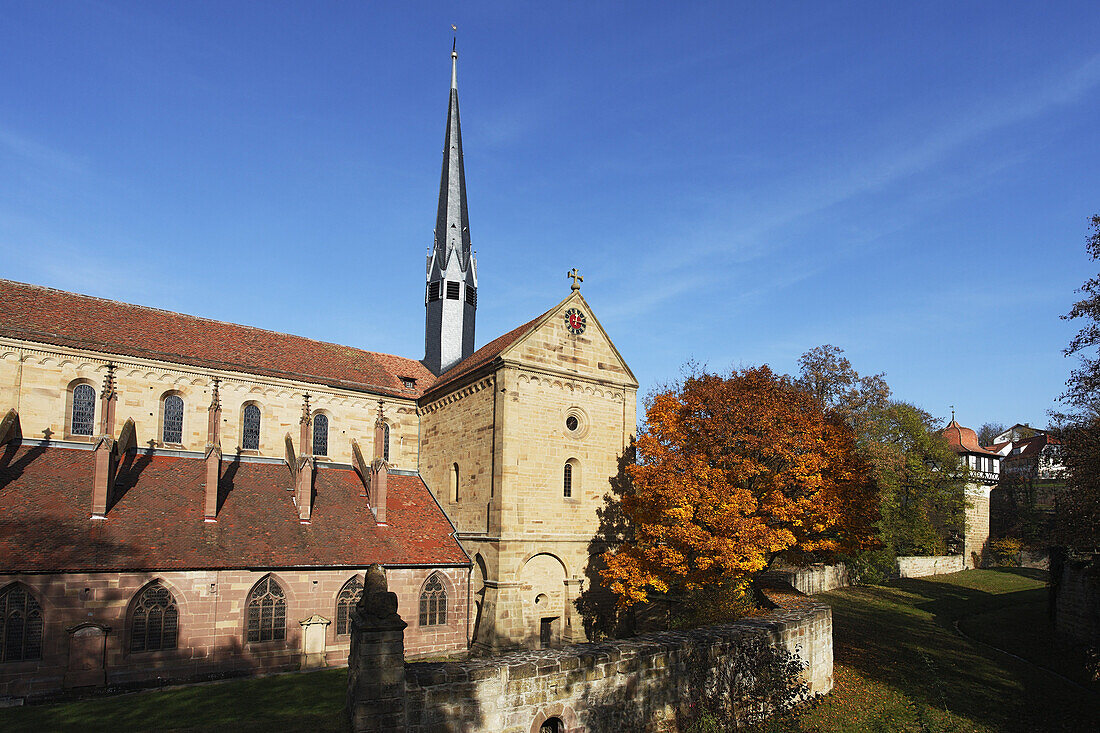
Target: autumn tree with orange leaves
(731, 472)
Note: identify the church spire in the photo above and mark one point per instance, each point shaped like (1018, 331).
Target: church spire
(451, 292)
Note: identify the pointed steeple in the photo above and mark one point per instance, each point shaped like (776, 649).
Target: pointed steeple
(451, 292)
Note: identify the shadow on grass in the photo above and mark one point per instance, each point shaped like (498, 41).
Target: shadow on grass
(903, 635)
(311, 701)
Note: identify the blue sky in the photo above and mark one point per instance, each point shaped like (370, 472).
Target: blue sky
(737, 182)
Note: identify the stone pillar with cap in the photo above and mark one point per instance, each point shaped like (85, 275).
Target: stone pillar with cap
(380, 468)
(376, 664)
(213, 453)
(303, 480)
(105, 453)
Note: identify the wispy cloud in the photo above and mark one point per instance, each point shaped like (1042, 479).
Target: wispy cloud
(39, 154)
(753, 236)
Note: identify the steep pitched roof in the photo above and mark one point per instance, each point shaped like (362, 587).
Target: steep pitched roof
(157, 523)
(57, 317)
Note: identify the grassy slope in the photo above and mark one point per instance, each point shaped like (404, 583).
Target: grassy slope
(901, 667)
(312, 701)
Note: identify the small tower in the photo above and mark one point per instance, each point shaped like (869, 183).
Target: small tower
(450, 296)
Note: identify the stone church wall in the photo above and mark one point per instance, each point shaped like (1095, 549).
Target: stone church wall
(458, 430)
(212, 625)
(37, 380)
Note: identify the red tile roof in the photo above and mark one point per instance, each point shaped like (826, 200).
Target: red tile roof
(1030, 447)
(157, 523)
(52, 316)
(484, 355)
(963, 440)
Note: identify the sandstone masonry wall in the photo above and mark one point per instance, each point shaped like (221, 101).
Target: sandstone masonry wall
(36, 379)
(212, 624)
(918, 567)
(635, 684)
(812, 579)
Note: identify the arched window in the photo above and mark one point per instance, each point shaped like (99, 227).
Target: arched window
(386, 441)
(20, 625)
(570, 478)
(454, 482)
(250, 427)
(267, 611)
(83, 410)
(433, 603)
(345, 601)
(155, 620)
(173, 419)
(320, 434)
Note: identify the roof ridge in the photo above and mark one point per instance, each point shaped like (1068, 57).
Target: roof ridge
(198, 318)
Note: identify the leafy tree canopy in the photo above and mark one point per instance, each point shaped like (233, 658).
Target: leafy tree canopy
(989, 431)
(733, 470)
(1077, 519)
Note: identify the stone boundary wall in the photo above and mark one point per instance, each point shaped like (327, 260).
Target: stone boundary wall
(1077, 603)
(918, 567)
(811, 579)
(1035, 559)
(638, 684)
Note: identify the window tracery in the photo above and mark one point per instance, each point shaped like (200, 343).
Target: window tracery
(154, 624)
(20, 625)
(433, 603)
(266, 611)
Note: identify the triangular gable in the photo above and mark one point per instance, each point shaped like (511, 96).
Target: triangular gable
(547, 343)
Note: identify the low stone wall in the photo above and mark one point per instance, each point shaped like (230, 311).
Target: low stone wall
(1035, 559)
(918, 567)
(811, 579)
(646, 683)
(1077, 602)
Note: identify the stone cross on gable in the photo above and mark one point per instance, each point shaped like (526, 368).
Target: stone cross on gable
(576, 278)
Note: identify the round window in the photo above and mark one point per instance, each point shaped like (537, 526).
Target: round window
(572, 423)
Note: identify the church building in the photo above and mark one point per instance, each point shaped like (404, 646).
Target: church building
(182, 498)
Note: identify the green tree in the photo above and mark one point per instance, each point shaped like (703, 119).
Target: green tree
(916, 473)
(989, 431)
(1077, 515)
(919, 478)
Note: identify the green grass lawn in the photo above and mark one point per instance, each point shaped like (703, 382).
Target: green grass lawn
(309, 701)
(899, 666)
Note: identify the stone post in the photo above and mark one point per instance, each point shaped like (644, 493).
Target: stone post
(572, 631)
(376, 665)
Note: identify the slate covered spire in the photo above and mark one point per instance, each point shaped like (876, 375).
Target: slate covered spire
(450, 295)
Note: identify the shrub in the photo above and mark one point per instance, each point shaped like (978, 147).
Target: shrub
(1004, 552)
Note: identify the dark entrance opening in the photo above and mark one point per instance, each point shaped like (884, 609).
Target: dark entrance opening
(546, 632)
(552, 725)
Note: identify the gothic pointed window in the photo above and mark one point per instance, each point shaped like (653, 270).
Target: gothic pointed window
(173, 419)
(345, 602)
(386, 441)
(433, 602)
(155, 621)
(567, 490)
(320, 434)
(20, 625)
(250, 427)
(83, 409)
(266, 611)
